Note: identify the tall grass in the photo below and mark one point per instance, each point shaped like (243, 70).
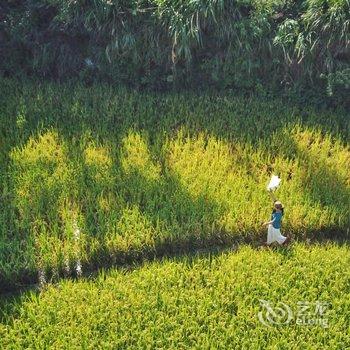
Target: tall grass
(201, 302)
(91, 176)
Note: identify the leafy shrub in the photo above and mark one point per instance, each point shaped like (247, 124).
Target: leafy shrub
(161, 44)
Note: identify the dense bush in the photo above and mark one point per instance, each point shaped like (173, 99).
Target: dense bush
(245, 44)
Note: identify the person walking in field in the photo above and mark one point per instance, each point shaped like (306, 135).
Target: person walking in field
(274, 225)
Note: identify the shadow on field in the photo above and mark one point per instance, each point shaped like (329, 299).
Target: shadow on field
(12, 301)
(323, 185)
(120, 201)
(153, 213)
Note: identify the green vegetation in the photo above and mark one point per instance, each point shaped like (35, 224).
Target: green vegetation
(137, 138)
(230, 44)
(201, 302)
(95, 176)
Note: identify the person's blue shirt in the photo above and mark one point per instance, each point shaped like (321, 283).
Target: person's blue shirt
(276, 217)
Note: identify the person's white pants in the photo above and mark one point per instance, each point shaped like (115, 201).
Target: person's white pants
(274, 235)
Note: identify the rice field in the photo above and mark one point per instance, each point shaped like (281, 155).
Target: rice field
(95, 176)
(203, 301)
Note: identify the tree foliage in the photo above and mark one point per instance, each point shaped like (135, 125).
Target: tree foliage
(159, 43)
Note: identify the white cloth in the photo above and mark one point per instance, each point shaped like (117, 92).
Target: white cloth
(274, 183)
(274, 235)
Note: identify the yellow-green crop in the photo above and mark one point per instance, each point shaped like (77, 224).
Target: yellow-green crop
(92, 176)
(199, 302)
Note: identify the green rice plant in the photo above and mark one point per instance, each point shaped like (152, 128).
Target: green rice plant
(199, 302)
(91, 176)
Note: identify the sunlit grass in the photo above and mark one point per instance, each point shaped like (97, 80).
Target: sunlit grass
(199, 302)
(136, 175)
